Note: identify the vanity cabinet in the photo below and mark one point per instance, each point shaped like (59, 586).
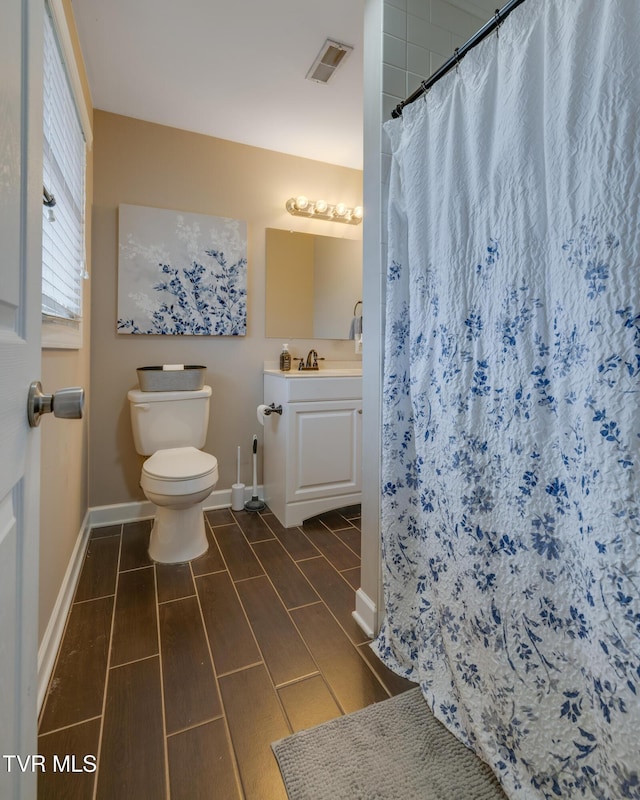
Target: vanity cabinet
(312, 452)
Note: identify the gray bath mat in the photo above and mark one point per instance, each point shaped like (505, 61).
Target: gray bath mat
(393, 750)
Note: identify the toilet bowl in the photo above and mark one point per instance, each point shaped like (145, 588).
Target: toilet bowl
(178, 481)
(177, 478)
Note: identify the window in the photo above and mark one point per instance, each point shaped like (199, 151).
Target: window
(64, 166)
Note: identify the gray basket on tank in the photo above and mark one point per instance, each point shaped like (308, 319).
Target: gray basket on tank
(157, 379)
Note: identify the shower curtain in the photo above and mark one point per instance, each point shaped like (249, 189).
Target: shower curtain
(511, 422)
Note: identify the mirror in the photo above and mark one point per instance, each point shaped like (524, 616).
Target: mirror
(312, 285)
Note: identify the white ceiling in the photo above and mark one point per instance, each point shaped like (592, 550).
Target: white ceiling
(234, 69)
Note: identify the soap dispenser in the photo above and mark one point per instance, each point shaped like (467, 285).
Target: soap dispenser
(285, 358)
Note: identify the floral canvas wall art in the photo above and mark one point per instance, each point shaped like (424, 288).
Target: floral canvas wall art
(181, 273)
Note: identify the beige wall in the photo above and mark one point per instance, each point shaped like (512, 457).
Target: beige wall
(150, 165)
(64, 443)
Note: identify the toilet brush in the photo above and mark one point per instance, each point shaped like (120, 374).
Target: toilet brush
(237, 490)
(255, 504)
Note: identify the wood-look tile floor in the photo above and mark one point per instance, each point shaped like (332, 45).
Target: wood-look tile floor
(177, 678)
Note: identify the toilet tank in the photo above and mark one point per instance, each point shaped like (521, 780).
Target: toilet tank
(169, 419)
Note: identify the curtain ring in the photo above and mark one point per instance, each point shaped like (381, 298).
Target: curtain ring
(456, 55)
(498, 22)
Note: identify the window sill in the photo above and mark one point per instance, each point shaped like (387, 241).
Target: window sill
(61, 335)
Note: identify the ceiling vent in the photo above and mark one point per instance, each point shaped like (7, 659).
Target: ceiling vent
(331, 55)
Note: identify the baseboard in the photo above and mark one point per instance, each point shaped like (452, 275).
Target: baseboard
(100, 516)
(366, 613)
(118, 513)
(53, 634)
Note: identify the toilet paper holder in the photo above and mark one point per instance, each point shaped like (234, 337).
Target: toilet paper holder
(272, 409)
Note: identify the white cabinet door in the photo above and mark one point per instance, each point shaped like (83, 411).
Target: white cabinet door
(323, 449)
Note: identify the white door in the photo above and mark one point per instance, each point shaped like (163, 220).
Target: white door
(20, 260)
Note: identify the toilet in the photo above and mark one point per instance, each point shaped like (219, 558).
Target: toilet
(170, 428)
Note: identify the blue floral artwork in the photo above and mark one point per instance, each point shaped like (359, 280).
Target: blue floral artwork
(181, 274)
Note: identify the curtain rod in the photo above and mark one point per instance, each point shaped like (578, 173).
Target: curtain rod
(459, 54)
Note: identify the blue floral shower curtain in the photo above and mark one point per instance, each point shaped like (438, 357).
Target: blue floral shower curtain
(511, 430)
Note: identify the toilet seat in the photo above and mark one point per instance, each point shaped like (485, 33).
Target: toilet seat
(179, 472)
(180, 464)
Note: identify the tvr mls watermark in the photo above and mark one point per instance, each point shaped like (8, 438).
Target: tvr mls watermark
(38, 763)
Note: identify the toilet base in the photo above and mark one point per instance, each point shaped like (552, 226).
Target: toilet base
(178, 534)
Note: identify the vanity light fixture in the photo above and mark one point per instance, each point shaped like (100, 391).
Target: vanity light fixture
(301, 206)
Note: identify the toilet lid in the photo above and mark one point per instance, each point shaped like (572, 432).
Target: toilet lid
(179, 463)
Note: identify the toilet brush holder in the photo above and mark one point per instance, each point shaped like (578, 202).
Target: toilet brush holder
(237, 497)
(237, 490)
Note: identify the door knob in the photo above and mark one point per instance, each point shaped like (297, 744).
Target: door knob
(65, 403)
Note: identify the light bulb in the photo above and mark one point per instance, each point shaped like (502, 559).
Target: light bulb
(358, 211)
(302, 202)
(321, 206)
(340, 210)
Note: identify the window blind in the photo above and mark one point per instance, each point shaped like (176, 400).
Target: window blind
(64, 159)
